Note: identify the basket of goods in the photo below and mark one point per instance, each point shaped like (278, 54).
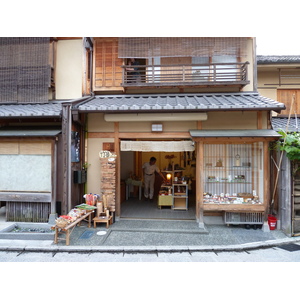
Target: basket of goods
(63, 221)
(75, 214)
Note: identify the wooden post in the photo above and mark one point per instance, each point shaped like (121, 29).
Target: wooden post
(53, 175)
(66, 157)
(199, 184)
(266, 168)
(259, 120)
(118, 170)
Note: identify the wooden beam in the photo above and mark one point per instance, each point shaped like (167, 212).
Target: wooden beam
(25, 197)
(231, 140)
(141, 135)
(235, 207)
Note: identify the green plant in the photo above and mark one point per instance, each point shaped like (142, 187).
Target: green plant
(85, 166)
(290, 144)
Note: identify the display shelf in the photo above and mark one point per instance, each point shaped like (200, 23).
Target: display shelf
(231, 170)
(180, 203)
(180, 196)
(165, 196)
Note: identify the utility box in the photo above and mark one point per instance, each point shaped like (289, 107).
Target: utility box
(80, 176)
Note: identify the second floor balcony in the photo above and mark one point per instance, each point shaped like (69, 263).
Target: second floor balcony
(214, 74)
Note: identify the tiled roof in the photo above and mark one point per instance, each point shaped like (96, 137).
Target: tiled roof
(31, 110)
(278, 59)
(280, 123)
(179, 102)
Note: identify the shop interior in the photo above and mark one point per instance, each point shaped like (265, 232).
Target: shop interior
(173, 198)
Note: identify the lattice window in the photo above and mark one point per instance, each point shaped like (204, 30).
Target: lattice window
(25, 73)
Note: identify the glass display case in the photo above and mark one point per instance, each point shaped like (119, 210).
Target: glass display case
(233, 173)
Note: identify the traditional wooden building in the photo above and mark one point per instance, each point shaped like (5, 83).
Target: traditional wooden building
(279, 78)
(39, 80)
(192, 99)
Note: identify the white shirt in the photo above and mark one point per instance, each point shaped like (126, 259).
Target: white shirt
(150, 169)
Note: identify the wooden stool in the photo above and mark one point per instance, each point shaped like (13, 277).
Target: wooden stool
(107, 220)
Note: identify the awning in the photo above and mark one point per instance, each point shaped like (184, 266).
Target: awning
(258, 133)
(8, 132)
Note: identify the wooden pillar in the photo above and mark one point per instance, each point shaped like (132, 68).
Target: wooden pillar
(266, 168)
(199, 184)
(259, 120)
(118, 170)
(66, 157)
(53, 175)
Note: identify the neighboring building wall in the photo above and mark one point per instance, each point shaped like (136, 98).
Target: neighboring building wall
(279, 82)
(267, 83)
(69, 69)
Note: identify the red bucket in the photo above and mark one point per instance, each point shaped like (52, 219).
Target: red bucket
(272, 221)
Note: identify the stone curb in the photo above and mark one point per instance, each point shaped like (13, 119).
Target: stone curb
(150, 249)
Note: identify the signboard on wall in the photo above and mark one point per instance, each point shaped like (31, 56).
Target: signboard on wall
(75, 147)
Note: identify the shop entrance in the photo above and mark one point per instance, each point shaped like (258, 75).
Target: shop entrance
(174, 199)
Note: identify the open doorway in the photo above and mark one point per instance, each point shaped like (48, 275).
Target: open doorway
(179, 189)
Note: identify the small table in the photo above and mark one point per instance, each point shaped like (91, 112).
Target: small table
(130, 182)
(69, 228)
(107, 220)
(165, 201)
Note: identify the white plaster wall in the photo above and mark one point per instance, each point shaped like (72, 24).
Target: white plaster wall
(69, 69)
(27, 173)
(96, 123)
(249, 58)
(231, 120)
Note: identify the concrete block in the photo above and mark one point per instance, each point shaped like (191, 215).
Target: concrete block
(265, 227)
(52, 218)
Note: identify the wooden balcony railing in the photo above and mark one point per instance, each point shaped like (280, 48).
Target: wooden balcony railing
(194, 74)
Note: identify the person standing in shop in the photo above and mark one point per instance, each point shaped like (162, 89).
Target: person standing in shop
(149, 169)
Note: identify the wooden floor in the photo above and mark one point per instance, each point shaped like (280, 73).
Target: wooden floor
(134, 208)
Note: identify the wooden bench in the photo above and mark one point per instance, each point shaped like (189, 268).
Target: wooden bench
(70, 227)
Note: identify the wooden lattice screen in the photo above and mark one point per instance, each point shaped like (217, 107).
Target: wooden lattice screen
(145, 47)
(24, 69)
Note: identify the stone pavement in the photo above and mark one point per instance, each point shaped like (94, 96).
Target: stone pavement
(128, 235)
